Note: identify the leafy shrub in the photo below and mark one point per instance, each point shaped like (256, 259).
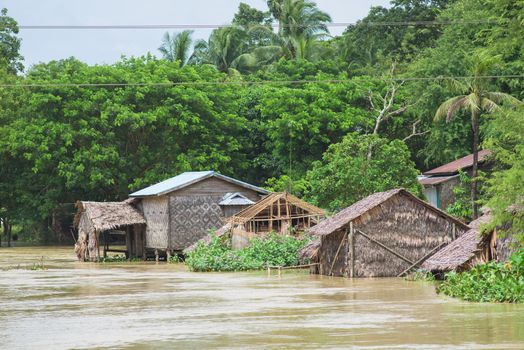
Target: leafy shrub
(420, 275)
(272, 250)
(113, 258)
(490, 282)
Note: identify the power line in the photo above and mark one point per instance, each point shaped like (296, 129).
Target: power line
(216, 26)
(262, 82)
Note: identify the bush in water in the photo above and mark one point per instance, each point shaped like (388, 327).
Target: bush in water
(490, 282)
(272, 250)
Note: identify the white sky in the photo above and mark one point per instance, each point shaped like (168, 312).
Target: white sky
(106, 46)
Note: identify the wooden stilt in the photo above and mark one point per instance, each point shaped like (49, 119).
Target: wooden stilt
(351, 248)
(156, 255)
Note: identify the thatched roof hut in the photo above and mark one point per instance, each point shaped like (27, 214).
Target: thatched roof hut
(466, 251)
(94, 218)
(472, 248)
(383, 235)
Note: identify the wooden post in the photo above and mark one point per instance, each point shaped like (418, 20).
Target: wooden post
(156, 255)
(168, 254)
(351, 248)
(454, 232)
(271, 218)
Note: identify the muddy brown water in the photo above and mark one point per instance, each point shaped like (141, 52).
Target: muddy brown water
(74, 305)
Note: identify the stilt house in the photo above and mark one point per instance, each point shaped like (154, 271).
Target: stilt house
(384, 235)
(181, 210)
(96, 221)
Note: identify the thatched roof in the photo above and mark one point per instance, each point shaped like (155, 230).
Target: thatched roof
(460, 251)
(253, 210)
(109, 215)
(344, 217)
(310, 251)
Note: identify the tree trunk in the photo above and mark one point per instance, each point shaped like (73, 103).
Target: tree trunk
(474, 185)
(9, 232)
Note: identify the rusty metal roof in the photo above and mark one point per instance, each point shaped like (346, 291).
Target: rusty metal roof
(459, 164)
(435, 180)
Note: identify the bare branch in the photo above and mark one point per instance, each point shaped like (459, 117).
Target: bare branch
(414, 131)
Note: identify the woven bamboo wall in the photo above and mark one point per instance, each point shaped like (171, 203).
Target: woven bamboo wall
(192, 217)
(156, 212)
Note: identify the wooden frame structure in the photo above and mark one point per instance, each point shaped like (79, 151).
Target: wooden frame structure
(277, 212)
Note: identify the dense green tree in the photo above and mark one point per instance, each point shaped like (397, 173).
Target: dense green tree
(9, 43)
(66, 143)
(373, 41)
(176, 47)
(477, 100)
(505, 189)
(346, 174)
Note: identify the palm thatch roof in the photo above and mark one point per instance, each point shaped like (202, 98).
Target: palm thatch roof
(263, 204)
(344, 217)
(109, 215)
(310, 251)
(461, 250)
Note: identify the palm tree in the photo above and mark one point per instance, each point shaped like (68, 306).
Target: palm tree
(475, 99)
(301, 26)
(176, 47)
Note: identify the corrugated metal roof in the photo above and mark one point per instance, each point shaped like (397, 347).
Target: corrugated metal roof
(459, 164)
(186, 179)
(435, 180)
(235, 199)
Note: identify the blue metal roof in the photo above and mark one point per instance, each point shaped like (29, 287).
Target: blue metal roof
(186, 179)
(235, 199)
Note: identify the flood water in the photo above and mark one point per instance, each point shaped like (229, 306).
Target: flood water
(150, 306)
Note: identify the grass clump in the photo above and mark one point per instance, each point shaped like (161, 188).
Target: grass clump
(490, 282)
(420, 275)
(271, 250)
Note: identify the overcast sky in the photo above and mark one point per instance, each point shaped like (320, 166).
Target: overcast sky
(106, 46)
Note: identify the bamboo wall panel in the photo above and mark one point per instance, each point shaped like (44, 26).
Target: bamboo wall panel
(156, 212)
(192, 217)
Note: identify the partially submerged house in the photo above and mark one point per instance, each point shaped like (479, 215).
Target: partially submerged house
(166, 217)
(96, 221)
(181, 210)
(277, 212)
(384, 235)
(472, 248)
(439, 182)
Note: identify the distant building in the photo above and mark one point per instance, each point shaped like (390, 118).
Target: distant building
(439, 182)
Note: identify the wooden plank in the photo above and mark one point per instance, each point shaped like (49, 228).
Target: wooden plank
(385, 247)
(421, 260)
(271, 218)
(336, 255)
(351, 249)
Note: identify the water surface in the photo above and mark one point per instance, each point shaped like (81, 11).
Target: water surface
(73, 305)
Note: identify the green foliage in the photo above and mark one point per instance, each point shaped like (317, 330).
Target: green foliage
(117, 259)
(10, 57)
(420, 276)
(461, 208)
(505, 189)
(490, 282)
(347, 174)
(272, 250)
(176, 47)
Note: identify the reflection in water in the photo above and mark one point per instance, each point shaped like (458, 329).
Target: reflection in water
(148, 305)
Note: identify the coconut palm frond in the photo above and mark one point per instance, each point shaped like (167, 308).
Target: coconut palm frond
(488, 105)
(445, 108)
(502, 98)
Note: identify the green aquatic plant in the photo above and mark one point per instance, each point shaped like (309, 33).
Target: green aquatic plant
(271, 250)
(420, 275)
(490, 282)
